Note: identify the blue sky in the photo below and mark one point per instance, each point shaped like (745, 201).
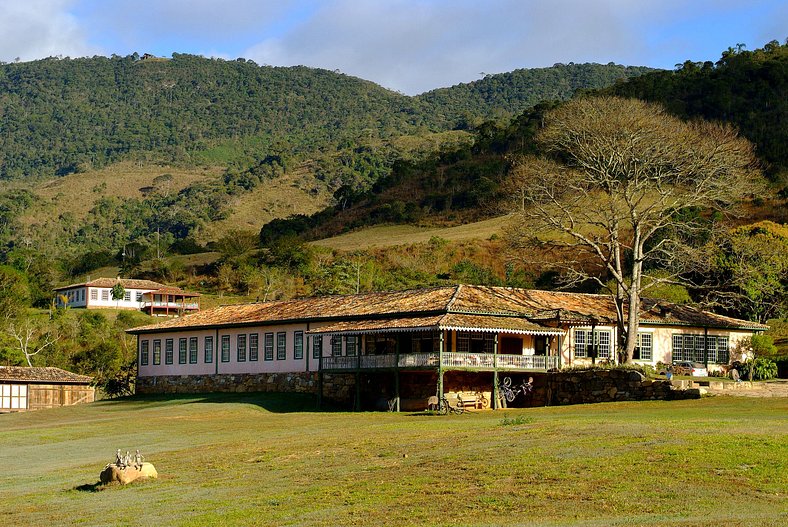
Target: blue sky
(406, 45)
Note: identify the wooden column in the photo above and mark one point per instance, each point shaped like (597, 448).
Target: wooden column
(440, 370)
(320, 376)
(494, 393)
(396, 377)
(357, 402)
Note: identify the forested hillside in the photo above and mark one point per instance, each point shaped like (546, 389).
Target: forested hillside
(746, 88)
(506, 95)
(65, 115)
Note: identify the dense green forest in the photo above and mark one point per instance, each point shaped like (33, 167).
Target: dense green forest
(506, 95)
(65, 115)
(746, 88)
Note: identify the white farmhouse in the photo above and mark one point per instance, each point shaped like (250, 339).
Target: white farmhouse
(144, 295)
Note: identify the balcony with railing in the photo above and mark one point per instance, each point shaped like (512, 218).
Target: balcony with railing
(448, 361)
(158, 304)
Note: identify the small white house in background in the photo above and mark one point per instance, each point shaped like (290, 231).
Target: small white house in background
(144, 295)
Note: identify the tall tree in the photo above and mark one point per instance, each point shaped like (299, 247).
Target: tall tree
(611, 196)
(745, 270)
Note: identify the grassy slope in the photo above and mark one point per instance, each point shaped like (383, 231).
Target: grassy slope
(263, 460)
(78, 193)
(391, 235)
(296, 192)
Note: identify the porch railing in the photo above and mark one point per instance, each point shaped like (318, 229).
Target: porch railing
(172, 305)
(527, 362)
(450, 360)
(468, 360)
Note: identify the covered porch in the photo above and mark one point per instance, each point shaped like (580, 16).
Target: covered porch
(474, 344)
(170, 301)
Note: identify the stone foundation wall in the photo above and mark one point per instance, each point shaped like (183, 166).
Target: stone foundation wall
(335, 387)
(572, 387)
(599, 386)
(302, 382)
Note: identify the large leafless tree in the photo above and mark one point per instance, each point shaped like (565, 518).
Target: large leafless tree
(609, 197)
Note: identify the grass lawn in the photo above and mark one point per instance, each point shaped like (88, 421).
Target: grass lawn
(258, 459)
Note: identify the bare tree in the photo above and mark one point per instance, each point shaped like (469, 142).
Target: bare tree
(609, 201)
(31, 340)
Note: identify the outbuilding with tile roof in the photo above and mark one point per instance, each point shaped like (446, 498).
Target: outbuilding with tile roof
(25, 388)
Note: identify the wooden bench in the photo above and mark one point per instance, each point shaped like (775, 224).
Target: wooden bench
(467, 401)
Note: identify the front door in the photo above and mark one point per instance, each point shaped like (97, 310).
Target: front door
(512, 346)
(540, 345)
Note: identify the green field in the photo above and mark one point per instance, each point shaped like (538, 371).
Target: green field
(270, 460)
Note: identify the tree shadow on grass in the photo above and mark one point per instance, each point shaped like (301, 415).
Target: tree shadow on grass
(273, 402)
(90, 487)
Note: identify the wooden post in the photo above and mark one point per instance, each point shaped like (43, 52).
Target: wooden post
(357, 403)
(440, 370)
(494, 403)
(320, 377)
(705, 348)
(396, 376)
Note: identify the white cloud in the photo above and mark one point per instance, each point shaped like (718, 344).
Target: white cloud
(415, 46)
(40, 28)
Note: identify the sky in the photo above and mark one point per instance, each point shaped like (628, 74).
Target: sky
(406, 45)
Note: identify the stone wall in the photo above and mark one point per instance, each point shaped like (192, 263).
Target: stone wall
(599, 386)
(335, 387)
(302, 382)
(570, 387)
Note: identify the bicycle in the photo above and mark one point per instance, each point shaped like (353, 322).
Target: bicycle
(446, 408)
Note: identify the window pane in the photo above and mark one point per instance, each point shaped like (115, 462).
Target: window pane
(350, 346)
(144, 352)
(269, 346)
(281, 346)
(711, 349)
(723, 351)
(603, 340)
(336, 346)
(677, 353)
(580, 344)
(168, 349)
(298, 345)
(240, 341)
(182, 351)
(157, 352)
(193, 350)
(208, 350)
(644, 350)
(253, 346)
(317, 346)
(225, 348)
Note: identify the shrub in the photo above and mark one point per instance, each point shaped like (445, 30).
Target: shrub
(762, 368)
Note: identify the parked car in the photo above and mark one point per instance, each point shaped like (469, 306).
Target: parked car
(694, 369)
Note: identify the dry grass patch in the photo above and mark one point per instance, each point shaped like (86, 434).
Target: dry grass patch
(77, 193)
(392, 235)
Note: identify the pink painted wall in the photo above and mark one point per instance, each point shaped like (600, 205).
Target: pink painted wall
(288, 364)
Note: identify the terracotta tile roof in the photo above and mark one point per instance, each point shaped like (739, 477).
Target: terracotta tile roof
(558, 307)
(172, 290)
(458, 321)
(41, 375)
(430, 322)
(128, 283)
(328, 307)
(581, 308)
(468, 322)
